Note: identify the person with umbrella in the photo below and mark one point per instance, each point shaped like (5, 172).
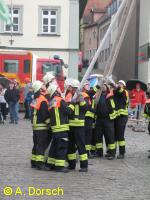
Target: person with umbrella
(139, 97)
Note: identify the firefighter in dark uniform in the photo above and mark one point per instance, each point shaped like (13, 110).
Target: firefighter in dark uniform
(92, 93)
(89, 116)
(49, 79)
(93, 141)
(105, 123)
(39, 109)
(77, 131)
(121, 98)
(88, 94)
(59, 122)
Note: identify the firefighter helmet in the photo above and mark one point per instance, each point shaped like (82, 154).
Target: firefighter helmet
(37, 86)
(48, 78)
(122, 82)
(75, 83)
(52, 89)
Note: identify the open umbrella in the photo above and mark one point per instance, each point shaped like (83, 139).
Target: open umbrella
(4, 81)
(131, 84)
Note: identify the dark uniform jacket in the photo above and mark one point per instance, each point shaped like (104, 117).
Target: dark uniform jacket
(58, 113)
(106, 107)
(121, 99)
(39, 113)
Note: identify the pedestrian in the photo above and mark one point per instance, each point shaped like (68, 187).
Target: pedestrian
(12, 96)
(17, 87)
(26, 103)
(77, 130)
(121, 98)
(39, 115)
(59, 122)
(106, 114)
(3, 108)
(29, 98)
(138, 97)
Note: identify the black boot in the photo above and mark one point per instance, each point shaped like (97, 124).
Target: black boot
(83, 170)
(50, 167)
(111, 157)
(62, 170)
(33, 164)
(71, 168)
(121, 156)
(42, 166)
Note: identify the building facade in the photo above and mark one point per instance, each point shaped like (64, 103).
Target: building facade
(46, 28)
(126, 66)
(93, 11)
(144, 42)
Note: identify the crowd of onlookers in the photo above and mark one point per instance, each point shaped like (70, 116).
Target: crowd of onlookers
(9, 101)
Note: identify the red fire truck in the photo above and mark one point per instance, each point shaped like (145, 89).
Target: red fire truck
(20, 65)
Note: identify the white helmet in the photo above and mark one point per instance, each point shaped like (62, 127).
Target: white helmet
(75, 83)
(52, 89)
(86, 83)
(122, 82)
(48, 77)
(37, 86)
(68, 82)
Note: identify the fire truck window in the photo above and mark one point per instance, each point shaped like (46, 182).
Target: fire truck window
(50, 67)
(58, 69)
(26, 66)
(11, 66)
(47, 67)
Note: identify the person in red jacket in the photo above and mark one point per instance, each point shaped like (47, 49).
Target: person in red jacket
(138, 98)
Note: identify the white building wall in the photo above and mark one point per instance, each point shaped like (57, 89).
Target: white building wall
(65, 44)
(144, 22)
(144, 38)
(30, 36)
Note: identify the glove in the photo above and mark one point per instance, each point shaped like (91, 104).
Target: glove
(98, 87)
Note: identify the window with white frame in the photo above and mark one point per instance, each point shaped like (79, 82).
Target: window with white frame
(49, 21)
(15, 20)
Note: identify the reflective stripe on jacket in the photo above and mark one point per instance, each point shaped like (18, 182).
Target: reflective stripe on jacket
(78, 116)
(38, 123)
(121, 98)
(58, 115)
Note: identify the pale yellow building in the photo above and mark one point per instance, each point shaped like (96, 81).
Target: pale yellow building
(46, 28)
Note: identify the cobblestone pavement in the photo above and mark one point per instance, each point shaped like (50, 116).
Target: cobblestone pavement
(127, 179)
